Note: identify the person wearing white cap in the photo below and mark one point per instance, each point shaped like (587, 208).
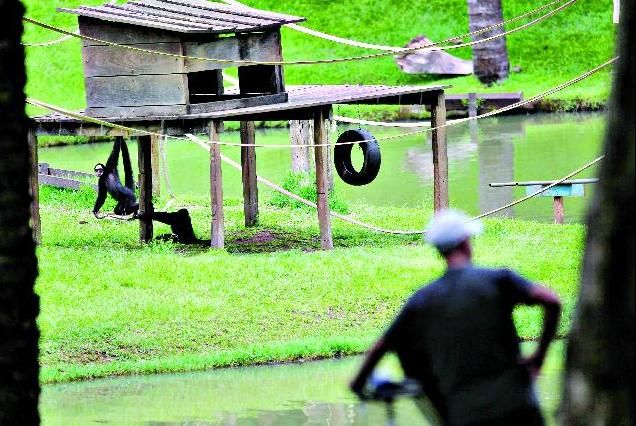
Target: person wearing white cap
(456, 336)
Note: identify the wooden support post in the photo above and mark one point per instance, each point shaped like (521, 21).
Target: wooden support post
(321, 133)
(472, 104)
(146, 208)
(250, 184)
(34, 187)
(301, 133)
(156, 164)
(558, 210)
(440, 157)
(216, 187)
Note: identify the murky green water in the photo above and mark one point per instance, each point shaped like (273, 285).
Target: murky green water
(537, 147)
(312, 393)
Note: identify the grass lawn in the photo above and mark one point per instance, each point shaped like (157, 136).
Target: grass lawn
(112, 306)
(549, 53)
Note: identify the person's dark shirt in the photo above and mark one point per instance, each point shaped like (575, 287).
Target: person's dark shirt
(457, 337)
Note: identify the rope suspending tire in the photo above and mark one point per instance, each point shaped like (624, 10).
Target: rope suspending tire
(370, 151)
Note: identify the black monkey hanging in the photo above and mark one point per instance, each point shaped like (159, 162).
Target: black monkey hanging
(109, 183)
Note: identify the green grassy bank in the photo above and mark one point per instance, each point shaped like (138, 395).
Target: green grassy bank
(111, 306)
(548, 54)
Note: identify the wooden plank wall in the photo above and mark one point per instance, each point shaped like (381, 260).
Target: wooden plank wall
(121, 82)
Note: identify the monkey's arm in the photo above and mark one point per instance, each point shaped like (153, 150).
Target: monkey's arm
(101, 196)
(113, 158)
(128, 174)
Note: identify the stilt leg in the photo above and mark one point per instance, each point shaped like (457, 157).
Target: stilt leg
(250, 184)
(322, 184)
(216, 188)
(440, 157)
(146, 208)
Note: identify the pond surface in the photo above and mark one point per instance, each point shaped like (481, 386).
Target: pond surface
(515, 148)
(313, 393)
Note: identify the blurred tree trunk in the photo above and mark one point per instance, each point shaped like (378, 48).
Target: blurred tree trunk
(599, 380)
(490, 60)
(19, 306)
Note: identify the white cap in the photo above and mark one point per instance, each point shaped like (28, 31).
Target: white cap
(449, 228)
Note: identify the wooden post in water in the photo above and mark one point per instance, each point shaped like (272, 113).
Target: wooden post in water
(250, 184)
(146, 209)
(559, 212)
(440, 156)
(216, 187)
(34, 187)
(472, 104)
(321, 132)
(156, 164)
(301, 133)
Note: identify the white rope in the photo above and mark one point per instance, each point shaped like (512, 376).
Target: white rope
(417, 124)
(52, 42)
(326, 36)
(164, 173)
(364, 45)
(233, 81)
(341, 40)
(206, 145)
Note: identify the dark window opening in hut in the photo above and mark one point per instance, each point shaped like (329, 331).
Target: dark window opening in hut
(261, 79)
(205, 86)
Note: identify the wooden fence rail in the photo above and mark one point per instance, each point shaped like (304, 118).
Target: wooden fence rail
(67, 179)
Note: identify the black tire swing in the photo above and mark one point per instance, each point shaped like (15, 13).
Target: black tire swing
(370, 151)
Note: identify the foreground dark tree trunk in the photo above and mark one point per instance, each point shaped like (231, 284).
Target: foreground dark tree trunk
(490, 59)
(599, 382)
(19, 306)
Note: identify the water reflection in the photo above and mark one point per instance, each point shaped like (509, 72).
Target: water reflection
(496, 162)
(296, 394)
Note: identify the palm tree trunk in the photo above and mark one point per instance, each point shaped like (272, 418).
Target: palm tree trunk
(490, 59)
(599, 380)
(19, 306)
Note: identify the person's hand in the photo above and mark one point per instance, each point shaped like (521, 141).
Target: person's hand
(533, 363)
(357, 387)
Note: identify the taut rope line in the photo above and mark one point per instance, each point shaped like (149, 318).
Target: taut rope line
(304, 62)
(396, 49)
(51, 42)
(130, 130)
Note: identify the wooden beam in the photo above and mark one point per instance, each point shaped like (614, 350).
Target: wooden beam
(321, 134)
(34, 189)
(216, 188)
(59, 182)
(145, 188)
(440, 156)
(155, 158)
(250, 186)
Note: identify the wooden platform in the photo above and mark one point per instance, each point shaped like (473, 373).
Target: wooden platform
(304, 103)
(301, 104)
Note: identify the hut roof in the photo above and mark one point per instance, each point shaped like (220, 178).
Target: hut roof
(186, 16)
